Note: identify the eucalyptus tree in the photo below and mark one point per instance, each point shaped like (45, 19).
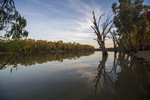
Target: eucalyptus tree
(101, 32)
(7, 13)
(31, 46)
(143, 34)
(11, 21)
(131, 21)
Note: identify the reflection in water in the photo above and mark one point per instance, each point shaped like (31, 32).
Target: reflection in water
(117, 76)
(39, 58)
(67, 80)
(102, 75)
(132, 78)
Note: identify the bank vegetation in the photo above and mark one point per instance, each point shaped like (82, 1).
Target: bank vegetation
(36, 46)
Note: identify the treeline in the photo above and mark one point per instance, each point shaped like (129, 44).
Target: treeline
(132, 20)
(35, 46)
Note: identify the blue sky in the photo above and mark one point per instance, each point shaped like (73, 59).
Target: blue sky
(67, 20)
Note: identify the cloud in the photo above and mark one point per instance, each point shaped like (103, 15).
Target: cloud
(83, 9)
(68, 20)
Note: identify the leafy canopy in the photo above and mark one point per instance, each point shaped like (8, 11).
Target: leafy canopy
(11, 21)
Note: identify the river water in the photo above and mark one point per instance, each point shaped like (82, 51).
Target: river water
(71, 76)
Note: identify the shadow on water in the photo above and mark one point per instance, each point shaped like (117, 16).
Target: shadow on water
(128, 78)
(39, 58)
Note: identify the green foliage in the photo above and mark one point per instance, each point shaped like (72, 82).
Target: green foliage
(17, 31)
(8, 13)
(33, 46)
(11, 20)
(10, 47)
(132, 22)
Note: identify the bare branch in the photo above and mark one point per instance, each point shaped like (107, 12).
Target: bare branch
(107, 26)
(100, 19)
(109, 29)
(96, 28)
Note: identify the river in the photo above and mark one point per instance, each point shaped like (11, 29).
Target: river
(74, 76)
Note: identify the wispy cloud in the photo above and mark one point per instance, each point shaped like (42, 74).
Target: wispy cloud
(69, 20)
(84, 10)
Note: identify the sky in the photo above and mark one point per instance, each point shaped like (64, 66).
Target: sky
(67, 20)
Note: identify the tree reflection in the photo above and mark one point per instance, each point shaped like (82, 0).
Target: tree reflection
(40, 58)
(129, 84)
(102, 75)
(132, 78)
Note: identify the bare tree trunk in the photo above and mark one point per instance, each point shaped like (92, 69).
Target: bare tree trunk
(104, 50)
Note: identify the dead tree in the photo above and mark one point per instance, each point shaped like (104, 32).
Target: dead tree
(106, 27)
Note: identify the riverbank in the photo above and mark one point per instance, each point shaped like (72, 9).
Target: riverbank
(144, 56)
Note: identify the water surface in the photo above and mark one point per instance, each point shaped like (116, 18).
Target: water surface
(82, 76)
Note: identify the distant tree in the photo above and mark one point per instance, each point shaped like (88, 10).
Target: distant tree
(11, 21)
(101, 34)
